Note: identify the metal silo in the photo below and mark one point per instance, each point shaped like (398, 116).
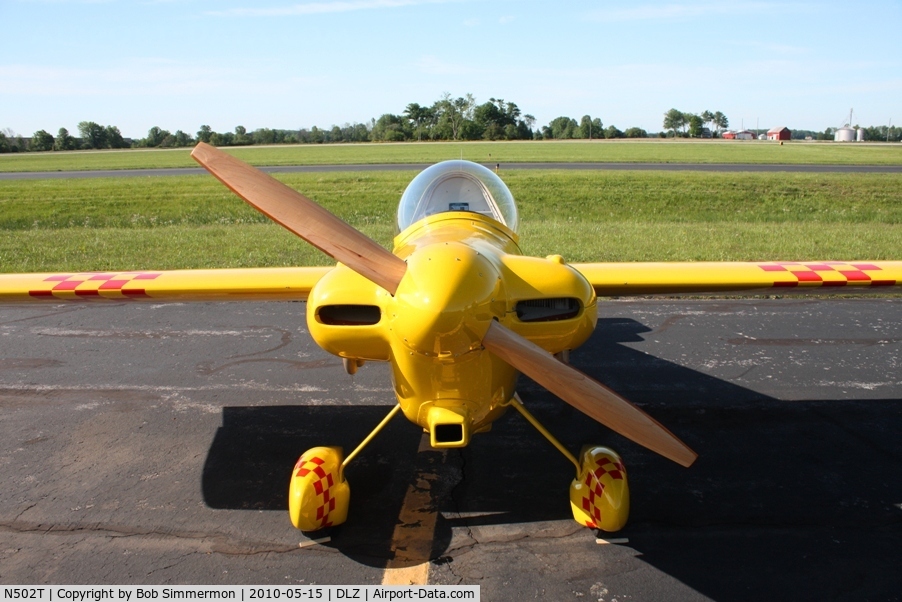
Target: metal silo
(844, 134)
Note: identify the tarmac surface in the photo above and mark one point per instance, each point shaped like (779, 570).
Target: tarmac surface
(152, 443)
(719, 167)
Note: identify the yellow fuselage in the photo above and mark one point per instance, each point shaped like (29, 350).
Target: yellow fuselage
(463, 271)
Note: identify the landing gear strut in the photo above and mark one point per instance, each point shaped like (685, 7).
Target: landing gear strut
(599, 495)
(319, 495)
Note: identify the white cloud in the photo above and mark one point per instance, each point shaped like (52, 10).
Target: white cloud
(65, 1)
(785, 49)
(656, 12)
(129, 78)
(318, 8)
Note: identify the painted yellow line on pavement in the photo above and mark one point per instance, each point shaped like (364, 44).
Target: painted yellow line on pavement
(414, 534)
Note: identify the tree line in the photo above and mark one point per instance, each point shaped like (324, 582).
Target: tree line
(708, 124)
(691, 125)
(448, 118)
(874, 133)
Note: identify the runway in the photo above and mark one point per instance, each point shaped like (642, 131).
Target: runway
(152, 443)
(717, 167)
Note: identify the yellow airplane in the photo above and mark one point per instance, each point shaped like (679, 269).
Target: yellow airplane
(458, 312)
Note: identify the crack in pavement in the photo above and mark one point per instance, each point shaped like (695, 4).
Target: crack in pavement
(219, 543)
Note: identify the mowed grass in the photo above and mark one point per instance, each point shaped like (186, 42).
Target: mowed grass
(195, 222)
(615, 151)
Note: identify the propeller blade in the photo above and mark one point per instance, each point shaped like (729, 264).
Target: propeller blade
(585, 394)
(300, 215)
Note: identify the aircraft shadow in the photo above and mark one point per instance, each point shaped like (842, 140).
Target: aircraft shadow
(776, 484)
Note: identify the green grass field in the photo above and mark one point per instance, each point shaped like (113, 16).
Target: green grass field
(194, 221)
(617, 151)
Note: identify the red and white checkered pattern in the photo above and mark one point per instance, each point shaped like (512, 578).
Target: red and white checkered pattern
(321, 486)
(826, 273)
(95, 285)
(595, 486)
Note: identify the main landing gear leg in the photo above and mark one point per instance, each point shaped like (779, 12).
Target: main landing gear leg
(318, 496)
(599, 495)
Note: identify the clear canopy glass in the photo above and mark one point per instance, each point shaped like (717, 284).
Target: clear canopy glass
(457, 186)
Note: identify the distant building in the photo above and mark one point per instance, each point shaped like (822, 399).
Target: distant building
(728, 135)
(745, 135)
(780, 133)
(845, 134)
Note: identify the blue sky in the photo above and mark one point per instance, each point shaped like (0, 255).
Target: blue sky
(179, 64)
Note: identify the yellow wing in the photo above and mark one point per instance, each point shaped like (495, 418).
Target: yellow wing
(615, 279)
(252, 284)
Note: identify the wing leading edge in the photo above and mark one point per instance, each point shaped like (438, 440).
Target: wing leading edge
(251, 284)
(619, 279)
(608, 279)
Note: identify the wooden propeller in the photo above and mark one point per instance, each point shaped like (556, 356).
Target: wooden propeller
(343, 243)
(585, 394)
(300, 215)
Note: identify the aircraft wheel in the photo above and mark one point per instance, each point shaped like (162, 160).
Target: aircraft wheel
(600, 496)
(317, 498)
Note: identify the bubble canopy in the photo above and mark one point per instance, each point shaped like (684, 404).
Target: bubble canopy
(457, 186)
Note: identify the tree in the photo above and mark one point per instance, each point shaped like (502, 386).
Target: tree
(204, 134)
(525, 127)
(389, 128)
(590, 128)
(498, 119)
(635, 132)
(182, 139)
(223, 139)
(585, 128)
(453, 114)
(561, 128)
(360, 133)
(882, 133)
(419, 116)
(155, 137)
(241, 137)
(41, 141)
(4, 143)
(696, 125)
(613, 132)
(491, 119)
(93, 135)
(13, 142)
(346, 133)
(114, 137)
(264, 136)
(674, 120)
(64, 141)
(720, 121)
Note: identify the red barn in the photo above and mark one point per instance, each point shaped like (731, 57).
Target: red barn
(781, 133)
